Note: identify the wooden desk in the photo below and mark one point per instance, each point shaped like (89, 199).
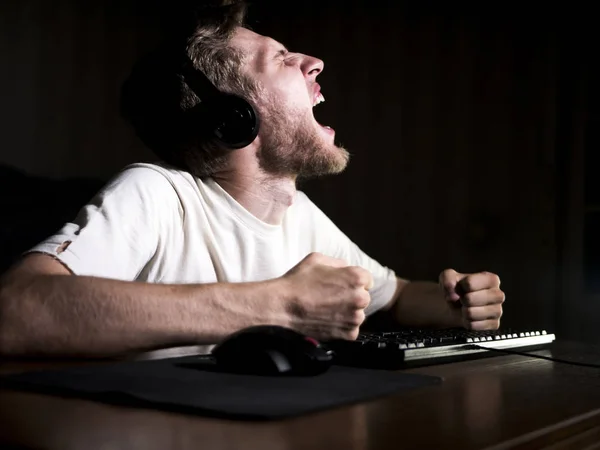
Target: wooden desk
(500, 402)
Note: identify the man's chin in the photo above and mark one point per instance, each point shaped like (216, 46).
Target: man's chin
(302, 151)
(332, 161)
(337, 155)
(341, 160)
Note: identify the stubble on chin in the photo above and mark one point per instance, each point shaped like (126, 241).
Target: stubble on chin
(292, 145)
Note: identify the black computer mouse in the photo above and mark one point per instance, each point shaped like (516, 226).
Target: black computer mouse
(272, 350)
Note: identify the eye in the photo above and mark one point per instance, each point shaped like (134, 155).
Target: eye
(290, 59)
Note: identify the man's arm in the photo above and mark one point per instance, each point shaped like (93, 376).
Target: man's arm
(473, 301)
(46, 311)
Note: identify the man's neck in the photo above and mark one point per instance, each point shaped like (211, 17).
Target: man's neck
(266, 197)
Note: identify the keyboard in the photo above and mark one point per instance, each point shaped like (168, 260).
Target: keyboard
(418, 347)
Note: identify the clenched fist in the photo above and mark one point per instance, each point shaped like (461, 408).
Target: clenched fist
(477, 297)
(328, 297)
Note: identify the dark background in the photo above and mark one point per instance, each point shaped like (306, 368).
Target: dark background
(471, 132)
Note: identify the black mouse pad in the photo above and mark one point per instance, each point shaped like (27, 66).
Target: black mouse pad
(173, 384)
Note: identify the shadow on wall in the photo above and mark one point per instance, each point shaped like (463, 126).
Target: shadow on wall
(35, 207)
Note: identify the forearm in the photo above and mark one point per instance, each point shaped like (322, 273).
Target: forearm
(422, 304)
(83, 316)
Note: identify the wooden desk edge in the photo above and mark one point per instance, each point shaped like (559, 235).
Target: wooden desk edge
(553, 434)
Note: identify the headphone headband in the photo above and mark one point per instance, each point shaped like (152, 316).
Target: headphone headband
(197, 81)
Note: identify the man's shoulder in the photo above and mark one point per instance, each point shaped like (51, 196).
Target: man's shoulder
(146, 170)
(150, 177)
(146, 184)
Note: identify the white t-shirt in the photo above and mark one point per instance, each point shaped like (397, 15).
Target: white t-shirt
(157, 224)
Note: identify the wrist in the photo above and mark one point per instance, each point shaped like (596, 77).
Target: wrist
(281, 302)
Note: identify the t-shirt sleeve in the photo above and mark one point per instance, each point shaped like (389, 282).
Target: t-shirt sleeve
(117, 232)
(333, 242)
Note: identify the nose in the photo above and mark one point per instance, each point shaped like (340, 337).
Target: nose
(311, 66)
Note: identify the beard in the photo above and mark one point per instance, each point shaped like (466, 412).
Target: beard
(293, 145)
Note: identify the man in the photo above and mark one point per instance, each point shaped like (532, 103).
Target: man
(215, 240)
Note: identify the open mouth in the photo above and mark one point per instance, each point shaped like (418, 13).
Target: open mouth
(318, 99)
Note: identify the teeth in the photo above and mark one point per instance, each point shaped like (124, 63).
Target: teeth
(319, 99)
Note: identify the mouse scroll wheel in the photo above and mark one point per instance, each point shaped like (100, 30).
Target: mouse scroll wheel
(313, 341)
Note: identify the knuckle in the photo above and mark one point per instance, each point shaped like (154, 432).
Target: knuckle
(469, 314)
(446, 276)
(497, 310)
(356, 276)
(358, 317)
(353, 334)
(448, 273)
(486, 325)
(477, 326)
(467, 283)
(496, 279)
(468, 299)
(362, 299)
(313, 257)
(501, 296)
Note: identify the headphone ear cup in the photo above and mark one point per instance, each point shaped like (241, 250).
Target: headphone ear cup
(235, 123)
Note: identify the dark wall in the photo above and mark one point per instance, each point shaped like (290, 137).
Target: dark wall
(463, 126)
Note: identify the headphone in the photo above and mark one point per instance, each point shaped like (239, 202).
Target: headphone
(226, 118)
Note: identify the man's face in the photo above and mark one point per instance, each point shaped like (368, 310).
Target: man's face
(292, 141)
